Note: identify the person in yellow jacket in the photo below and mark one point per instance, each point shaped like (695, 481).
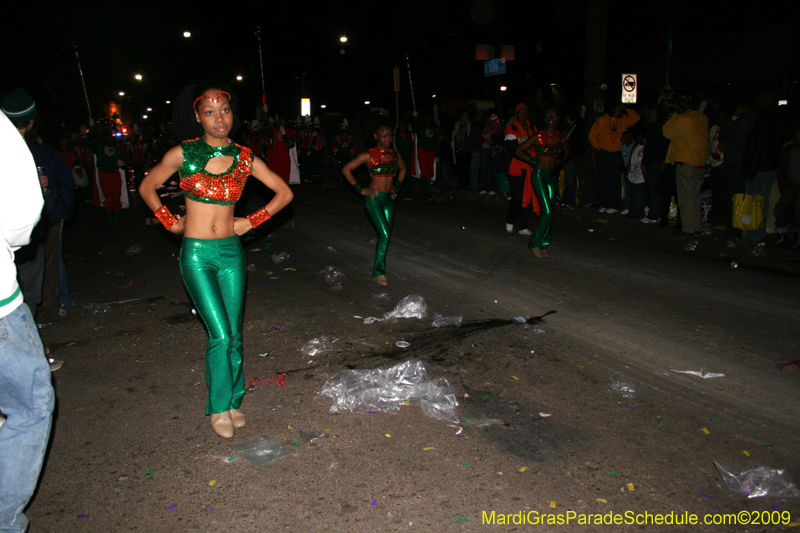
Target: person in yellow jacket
(606, 139)
(687, 131)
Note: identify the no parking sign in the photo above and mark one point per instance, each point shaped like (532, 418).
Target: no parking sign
(629, 84)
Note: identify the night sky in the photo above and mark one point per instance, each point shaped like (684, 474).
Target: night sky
(439, 37)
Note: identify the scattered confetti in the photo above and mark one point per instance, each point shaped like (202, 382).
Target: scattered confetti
(579, 366)
(515, 377)
(467, 464)
(388, 436)
(290, 269)
(630, 487)
(297, 443)
(746, 453)
(524, 468)
(231, 458)
(706, 431)
(374, 503)
(611, 472)
(429, 448)
(279, 380)
(373, 412)
(769, 446)
(82, 516)
(706, 496)
(172, 507)
(210, 510)
(149, 473)
(212, 482)
(552, 505)
(465, 519)
(545, 415)
(601, 500)
(775, 507)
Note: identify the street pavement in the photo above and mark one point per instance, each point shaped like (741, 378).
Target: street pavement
(539, 432)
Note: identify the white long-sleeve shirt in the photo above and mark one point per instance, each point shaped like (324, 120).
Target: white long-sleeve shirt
(21, 205)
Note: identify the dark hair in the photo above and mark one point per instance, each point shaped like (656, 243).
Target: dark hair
(384, 125)
(184, 122)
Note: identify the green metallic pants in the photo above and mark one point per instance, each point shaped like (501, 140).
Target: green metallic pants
(214, 273)
(545, 184)
(380, 210)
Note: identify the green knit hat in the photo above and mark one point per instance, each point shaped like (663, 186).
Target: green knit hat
(19, 106)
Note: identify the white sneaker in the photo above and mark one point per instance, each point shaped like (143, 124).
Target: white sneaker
(625, 212)
(602, 210)
(509, 228)
(646, 220)
(525, 232)
(483, 192)
(609, 210)
(55, 364)
(491, 193)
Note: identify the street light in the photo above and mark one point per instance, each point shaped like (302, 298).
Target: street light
(343, 39)
(168, 102)
(137, 77)
(503, 88)
(187, 34)
(366, 102)
(144, 116)
(323, 106)
(122, 93)
(239, 78)
(149, 109)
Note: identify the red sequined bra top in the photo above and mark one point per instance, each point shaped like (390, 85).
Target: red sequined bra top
(378, 167)
(202, 186)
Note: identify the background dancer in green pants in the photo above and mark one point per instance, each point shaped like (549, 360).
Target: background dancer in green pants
(549, 150)
(213, 170)
(383, 164)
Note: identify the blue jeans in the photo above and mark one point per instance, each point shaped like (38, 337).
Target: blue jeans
(27, 400)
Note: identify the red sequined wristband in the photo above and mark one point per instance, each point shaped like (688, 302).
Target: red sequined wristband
(165, 216)
(259, 217)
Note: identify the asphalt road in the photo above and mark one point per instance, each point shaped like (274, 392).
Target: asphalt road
(132, 451)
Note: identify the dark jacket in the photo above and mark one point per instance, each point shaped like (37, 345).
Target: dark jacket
(762, 153)
(656, 145)
(59, 202)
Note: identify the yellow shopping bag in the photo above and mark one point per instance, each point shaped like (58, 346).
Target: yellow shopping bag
(748, 211)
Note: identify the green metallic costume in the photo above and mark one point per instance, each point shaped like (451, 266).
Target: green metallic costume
(213, 271)
(380, 208)
(545, 184)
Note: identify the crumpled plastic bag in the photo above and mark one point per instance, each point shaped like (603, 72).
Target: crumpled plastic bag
(280, 258)
(361, 391)
(318, 346)
(440, 321)
(412, 306)
(758, 481)
(262, 450)
(627, 389)
(334, 276)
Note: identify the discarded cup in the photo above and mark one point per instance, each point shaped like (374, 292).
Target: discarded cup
(626, 388)
(263, 450)
(402, 344)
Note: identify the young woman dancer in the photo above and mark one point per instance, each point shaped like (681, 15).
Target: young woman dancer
(383, 164)
(213, 171)
(549, 151)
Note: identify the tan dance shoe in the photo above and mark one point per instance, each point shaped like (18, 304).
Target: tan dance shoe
(545, 253)
(237, 417)
(381, 280)
(222, 424)
(537, 252)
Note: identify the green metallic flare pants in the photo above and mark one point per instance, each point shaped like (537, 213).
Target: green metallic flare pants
(545, 184)
(213, 271)
(380, 210)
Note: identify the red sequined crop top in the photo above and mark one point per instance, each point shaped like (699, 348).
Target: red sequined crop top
(202, 186)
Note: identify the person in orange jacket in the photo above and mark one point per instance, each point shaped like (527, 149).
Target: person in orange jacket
(606, 139)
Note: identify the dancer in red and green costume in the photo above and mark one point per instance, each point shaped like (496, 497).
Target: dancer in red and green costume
(549, 151)
(213, 172)
(384, 165)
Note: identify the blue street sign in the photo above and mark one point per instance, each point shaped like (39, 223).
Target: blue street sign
(494, 67)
